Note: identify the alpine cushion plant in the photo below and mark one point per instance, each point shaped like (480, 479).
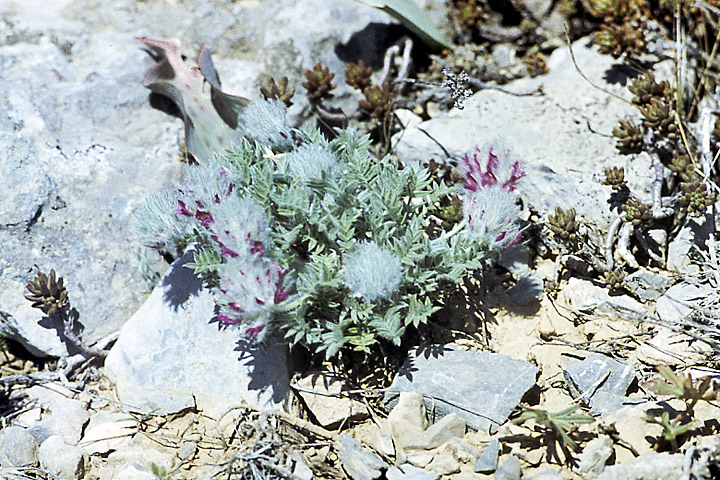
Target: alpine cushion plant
(323, 243)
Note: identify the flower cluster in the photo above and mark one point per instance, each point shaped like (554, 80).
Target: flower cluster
(499, 168)
(456, 82)
(250, 282)
(248, 292)
(351, 231)
(490, 208)
(200, 191)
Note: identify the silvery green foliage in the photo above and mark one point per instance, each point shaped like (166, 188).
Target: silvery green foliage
(309, 161)
(265, 122)
(371, 272)
(157, 225)
(328, 245)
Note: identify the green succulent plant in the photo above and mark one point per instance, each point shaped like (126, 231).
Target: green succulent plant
(318, 83)
(615, 178)
(658, 115)
(645, 88)
(695, 198)
(278, 91)
(469, 14)
(683, 167)
(637, 212)
(630, 136)
(626, 38)
(615, 278)
(563, 223)
(48, 293)
(357, 75)
(378, 102)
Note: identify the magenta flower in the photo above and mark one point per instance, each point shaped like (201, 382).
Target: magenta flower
(489, 206)
(248, 291)
(495, 169)
(239, 227)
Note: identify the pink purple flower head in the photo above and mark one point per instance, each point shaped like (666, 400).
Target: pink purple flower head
(239, 227)
(491, 215)
(248, 293)
(201, 190)
(489, 207)
(487, 167)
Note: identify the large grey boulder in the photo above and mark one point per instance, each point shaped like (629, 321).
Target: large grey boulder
(171, 355)
(82, 148)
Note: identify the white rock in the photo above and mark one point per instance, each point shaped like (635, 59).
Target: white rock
(171, 355)
(450, 426)
(651, 466)
(444, 463)
(298, 465)
(18, 448)
(678, 301)
(29, 418)
(108, 431)
(633, 429)
(407, 419)
(68, 419)
(187, 451)
(409, 472)
(59, 458)
(689, 238)
(595, 454)
(133, 471)
(47, 395)
(584, 296)
(359, 463)
(668, 347)
(509, 469)
(322, 395)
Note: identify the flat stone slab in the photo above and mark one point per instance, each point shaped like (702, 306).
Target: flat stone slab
(480, 387)
(605, 395)
(171, 355)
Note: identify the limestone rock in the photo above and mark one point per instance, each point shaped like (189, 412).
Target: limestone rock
(18, 448)
(171, 355)
(59, 458)
(480, 387)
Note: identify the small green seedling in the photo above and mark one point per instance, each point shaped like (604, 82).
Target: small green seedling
(159, 472)
(560, 423)
(685, 388)
(672, 429)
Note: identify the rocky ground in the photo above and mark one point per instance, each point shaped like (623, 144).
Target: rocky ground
(537, 370)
